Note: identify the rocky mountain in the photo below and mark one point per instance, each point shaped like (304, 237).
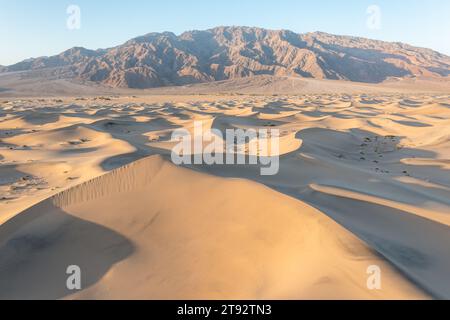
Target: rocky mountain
(223, 53)
(72, 57)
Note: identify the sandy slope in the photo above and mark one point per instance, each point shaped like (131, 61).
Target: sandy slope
(152, 230)
(377, 164)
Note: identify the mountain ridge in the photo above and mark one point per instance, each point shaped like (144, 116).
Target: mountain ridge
(224, 53)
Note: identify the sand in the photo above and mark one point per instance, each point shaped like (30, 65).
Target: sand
(363, 181)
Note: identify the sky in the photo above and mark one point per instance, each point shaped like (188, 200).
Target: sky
(34, 28)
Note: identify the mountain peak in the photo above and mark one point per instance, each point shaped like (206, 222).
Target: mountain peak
(79, 51)
(152, 36)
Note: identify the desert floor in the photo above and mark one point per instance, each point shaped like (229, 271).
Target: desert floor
(364, 180)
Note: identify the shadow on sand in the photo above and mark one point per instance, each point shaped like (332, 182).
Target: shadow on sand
(37, 246)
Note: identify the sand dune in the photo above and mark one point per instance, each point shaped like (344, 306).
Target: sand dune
(219, 246)
(363, 181)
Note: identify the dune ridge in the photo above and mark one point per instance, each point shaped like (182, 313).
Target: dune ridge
(124, 179)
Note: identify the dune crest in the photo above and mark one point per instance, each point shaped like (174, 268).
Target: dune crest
(125, 179)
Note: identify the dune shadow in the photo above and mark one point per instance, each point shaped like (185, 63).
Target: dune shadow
(41, 118)
(413, 123)
(37, 246)
(388, 231)
(78, 150)
(9, 133)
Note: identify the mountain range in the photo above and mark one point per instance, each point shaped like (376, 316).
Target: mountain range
(224, 53)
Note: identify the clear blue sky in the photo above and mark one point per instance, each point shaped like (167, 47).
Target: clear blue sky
(32, 28)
